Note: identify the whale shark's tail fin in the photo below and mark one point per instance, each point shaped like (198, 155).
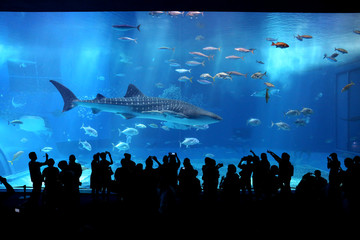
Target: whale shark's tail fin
(67, 95)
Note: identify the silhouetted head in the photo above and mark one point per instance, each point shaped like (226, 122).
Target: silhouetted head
(333, 156)
(357, 160)
(263, 156)
(50, 162)
(96, 156)
(317, 173)
(274, 170)
(285, 156)
(103, 155)
(149, 162)
(231, 169)
(32, 156)
(62, 165)
(165, 159)
(127, 156)
(348, 162)
(72, 158)
(187, 162)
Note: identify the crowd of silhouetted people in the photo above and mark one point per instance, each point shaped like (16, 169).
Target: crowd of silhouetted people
(163, 187)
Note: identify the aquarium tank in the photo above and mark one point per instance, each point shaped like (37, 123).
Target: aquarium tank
(201, 84)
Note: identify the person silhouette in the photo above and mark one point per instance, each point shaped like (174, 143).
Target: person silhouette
(106, 172)
(286, 170)
(50, 177)
(334, 176)
(77, 170)
(230, 185)
(35, 175)
(95, 175)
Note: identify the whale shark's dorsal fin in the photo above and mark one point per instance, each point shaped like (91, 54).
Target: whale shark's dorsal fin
(99, 97)
(133, 91)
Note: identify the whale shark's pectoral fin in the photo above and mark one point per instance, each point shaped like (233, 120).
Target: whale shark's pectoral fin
(95, 110)
(126, 115)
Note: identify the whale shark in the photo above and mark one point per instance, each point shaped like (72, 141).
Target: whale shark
(137, 105)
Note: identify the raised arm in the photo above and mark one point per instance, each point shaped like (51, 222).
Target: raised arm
(276, 157)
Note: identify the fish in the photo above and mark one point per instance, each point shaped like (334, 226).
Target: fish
(234, 57)
(332, 59)
(280, 45)
(129, 132)
(199, 54)
(307, 111)
(211, 49)
(301, 122)
(159, 85)
(258, 75)
(176, 126)
(244, 50)
(195, 63)
(201, 127)
(261, 62)
(89, 131)
(175, 64)
(291, 113)
(34, 124)
(347, 87)
(236, 73)
(189, 142)
(206, 75)
(253, 122)
(136, 105)
(267, 96)
(262, 93)
(16, 157)
(15, 122)
(121, 146)
(185, 79)
(269, 84)
(343, 51)
(281, 125)
(183, 70)
(306, 36)
(17, 105)
(125, 27)
(356, 31)
(46, 149)
(127, 39)
(140, 125)
(167, 48)
(194, 14)
(166, 128)
(204, 82)
(156, 13)
(298, 37)
(199, 38)
(153, 125)
(223, 75)
(24, 140)
(271, 39)
(175, 13)
(85, 145)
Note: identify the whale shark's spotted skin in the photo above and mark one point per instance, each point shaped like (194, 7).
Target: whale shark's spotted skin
(136, 104)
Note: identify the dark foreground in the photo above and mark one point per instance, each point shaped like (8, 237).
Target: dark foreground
(109, 216)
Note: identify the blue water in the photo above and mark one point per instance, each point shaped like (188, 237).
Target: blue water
(82, 51)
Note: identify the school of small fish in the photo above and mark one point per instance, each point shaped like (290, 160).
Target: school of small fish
(199, 58)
